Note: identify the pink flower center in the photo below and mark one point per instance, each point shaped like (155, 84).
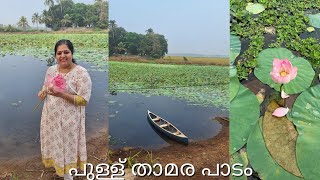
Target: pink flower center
(283, 73)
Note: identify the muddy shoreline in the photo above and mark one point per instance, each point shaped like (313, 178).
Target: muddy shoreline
(201, 154)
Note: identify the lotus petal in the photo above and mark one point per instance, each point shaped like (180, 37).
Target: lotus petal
(284, 95)
(280, 112)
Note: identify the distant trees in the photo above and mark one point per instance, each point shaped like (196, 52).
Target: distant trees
(103, 7)
(9, 28)
(122, 42)
(36, 19)
(23, 23)
(66, 13)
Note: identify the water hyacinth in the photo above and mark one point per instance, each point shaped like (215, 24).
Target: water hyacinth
(283, 71)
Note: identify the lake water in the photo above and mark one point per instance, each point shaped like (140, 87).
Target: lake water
(21, 78)
(128, 124)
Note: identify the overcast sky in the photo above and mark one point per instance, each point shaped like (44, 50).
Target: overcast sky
(190, 26)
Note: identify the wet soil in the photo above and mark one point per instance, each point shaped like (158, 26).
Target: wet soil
(201, 154)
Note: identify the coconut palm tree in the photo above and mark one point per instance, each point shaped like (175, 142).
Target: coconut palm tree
(61, 5)
(103, 9)
(66, 20)
(112, 26)
(49, 3)
(150, 31)
(36, 19)
(23, 22)
(45, 20)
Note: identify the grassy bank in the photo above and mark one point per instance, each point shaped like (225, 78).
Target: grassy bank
(174, 60)
(198, 60)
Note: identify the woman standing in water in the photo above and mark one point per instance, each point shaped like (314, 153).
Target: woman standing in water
(62, 130)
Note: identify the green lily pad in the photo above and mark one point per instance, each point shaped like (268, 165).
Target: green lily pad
(306, 116)
(264, 67)
(310, 29)
(244, 113)
(255, 8)
(280, 137)
(314, 20)
(234, 83)
(240, 158)
(261, 160)
(235, 47)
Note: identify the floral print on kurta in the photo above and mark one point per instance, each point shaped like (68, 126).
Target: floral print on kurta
(62, 131)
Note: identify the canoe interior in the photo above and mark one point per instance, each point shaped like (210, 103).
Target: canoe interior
(159, 121)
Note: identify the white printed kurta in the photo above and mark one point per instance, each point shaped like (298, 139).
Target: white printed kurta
(62, 130)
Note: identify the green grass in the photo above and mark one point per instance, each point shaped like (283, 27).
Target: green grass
(204, 85)
(88, 47)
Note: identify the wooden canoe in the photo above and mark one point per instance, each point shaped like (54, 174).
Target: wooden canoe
(167, 128)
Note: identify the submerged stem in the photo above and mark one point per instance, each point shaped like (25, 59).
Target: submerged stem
(36, 107)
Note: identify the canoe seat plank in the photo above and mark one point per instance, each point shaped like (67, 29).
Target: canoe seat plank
(164, 125)
(157, 119)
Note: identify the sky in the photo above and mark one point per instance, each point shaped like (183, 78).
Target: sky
(190, 26)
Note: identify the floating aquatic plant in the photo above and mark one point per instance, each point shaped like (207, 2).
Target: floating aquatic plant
(280, 132)
(306, 117)
(206, 85)
(280, 147)
(244, 113)
(261, 160)
(314, 20)
(235, 47)
(255, 8)
(265, 64)
(88, 47)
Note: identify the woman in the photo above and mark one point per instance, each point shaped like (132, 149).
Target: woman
(62, 131)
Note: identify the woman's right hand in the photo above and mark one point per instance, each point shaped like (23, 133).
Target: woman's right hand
(42, 94)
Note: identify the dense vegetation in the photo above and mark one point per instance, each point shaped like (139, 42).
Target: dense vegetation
(122, 42)
(66, 14)
(280, 25)
(69, 14)
(205, 85)
(265, 35)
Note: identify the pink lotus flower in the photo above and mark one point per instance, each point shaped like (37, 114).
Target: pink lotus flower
(58, 83)
(283, 71)
(280, 112)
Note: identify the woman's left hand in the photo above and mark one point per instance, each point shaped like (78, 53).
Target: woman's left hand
(52, 92)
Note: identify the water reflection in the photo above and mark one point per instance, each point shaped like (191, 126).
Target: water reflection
(128, 124)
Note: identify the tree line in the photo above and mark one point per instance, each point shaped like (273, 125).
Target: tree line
(66, 13)
(69, 14)
(130, 43)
